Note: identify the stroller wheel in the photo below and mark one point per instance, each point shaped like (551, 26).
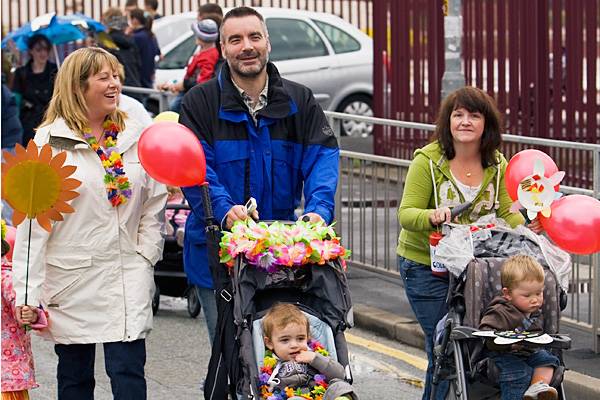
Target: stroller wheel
(193, 301)
(155, 299)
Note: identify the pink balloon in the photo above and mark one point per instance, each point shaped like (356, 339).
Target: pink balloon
(521, 166)
(172, 154)
(11, 234)
(574, 224)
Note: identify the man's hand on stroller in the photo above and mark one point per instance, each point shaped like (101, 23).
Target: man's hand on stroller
(238, 213)
(311, 217)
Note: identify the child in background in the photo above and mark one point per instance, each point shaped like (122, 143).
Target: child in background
(201, 67)
(302, 365)
(17, 361)
(523, 374)
(176, 218)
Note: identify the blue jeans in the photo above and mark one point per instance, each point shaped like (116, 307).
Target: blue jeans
(516, 371)
(209, 307)
(175, 104)
(427, 297)
(124, 363)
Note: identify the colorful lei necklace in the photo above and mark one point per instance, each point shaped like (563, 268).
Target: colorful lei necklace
(278, 245)
(117, 184)
(270, 361)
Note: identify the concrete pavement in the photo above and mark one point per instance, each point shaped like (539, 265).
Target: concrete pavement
(380, 305)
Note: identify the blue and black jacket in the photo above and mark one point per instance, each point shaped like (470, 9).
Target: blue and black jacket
(290, 149)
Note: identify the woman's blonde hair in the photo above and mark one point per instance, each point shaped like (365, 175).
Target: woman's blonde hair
(520, 268)
(68, 100)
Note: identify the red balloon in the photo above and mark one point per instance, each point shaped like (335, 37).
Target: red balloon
(521, 166)
(11, 234)
(172, 154)
(574, 224)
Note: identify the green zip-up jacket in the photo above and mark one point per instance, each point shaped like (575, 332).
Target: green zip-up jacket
(418, 202)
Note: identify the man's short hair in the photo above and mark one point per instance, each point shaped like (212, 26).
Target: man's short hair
(520, 268)
(131, 3)
(241, 12)
(210, 8)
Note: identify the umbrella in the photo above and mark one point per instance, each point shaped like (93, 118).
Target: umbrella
(45, 25)
(58, 30)
(82, 21)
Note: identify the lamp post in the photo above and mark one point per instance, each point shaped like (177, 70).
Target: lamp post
(454, 77)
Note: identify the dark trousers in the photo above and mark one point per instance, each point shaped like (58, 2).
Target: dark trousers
(427, 297)
(124, 363)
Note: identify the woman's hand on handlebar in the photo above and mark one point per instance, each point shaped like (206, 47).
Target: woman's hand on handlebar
(536, 226)
(440, 215)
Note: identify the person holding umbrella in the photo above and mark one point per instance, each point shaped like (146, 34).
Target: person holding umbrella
(93, 272)
(33, 84)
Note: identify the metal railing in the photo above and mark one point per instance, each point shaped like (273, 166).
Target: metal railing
(369, 193)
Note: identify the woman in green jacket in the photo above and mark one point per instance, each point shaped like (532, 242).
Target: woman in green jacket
(461, 164)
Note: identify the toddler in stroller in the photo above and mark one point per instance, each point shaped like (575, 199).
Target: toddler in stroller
(518, 310)
(246, 292)
(297, 363)
(461, 355)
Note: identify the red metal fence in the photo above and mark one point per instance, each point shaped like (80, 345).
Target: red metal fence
(17, 12)
(539, 59)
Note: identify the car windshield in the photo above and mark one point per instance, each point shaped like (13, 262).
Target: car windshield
(179, 56)
(340, 40)
(170, 31)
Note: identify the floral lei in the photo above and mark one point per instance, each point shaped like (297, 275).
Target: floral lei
(270, 361)
(117, 184)
(278, 245)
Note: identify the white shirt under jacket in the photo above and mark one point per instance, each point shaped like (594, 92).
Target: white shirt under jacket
(94, 272)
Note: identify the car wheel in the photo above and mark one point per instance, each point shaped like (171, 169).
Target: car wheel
(155, 299)
(357, 104)
(193, 301)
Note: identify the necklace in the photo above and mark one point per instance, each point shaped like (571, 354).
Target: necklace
(117, 184)
(270, 363)
(468, 174)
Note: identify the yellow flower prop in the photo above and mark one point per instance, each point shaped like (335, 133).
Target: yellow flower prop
(38, 185)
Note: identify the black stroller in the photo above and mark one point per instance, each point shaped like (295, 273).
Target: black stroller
(244, 294)
(169, 277)
(460, 357)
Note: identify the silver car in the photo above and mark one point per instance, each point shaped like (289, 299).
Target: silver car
(319, 50)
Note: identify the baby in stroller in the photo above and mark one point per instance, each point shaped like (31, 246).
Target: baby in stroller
(475, 256)
(519, 309)
(302, 365)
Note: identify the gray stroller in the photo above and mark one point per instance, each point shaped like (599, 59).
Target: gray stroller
(474, 260)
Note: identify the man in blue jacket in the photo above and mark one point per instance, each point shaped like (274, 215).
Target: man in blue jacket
(263, 137)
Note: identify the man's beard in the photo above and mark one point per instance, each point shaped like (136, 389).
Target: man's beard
(250, 72)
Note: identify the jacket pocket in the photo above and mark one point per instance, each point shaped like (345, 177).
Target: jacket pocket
(285, 181)
(63, 274)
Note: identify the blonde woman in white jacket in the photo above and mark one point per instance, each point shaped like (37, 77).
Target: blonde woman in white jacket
(93, 273)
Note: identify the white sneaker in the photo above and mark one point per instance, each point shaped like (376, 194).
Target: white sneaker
(540, 391)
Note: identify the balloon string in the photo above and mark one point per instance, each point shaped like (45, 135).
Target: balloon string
(27, 265)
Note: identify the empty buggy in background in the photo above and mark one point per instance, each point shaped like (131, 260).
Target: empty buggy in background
(169, 276)
(474, 260)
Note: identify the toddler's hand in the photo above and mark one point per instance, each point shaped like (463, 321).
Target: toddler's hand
(28, 315)
(305, 357)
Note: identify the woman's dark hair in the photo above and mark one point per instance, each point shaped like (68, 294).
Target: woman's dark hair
(473, 100)
(145, 21)
(35, 39)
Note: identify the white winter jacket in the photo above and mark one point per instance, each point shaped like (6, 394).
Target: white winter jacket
(94, 272)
